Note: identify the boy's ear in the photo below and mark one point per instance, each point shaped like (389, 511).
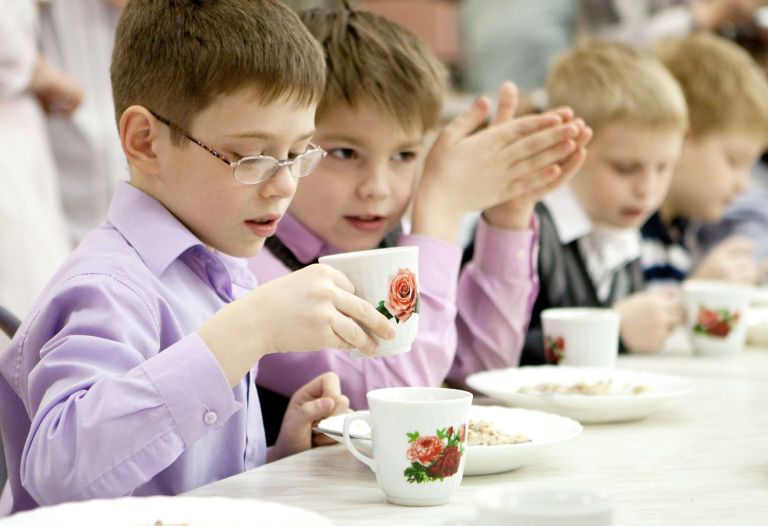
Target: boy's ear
(138, 136)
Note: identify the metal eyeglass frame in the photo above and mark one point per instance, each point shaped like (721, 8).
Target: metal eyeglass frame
(234, 164)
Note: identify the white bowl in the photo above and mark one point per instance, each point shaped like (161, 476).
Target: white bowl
(623, 405)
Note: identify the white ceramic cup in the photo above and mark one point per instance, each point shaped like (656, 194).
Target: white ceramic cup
(419, 440)
(387, 278)
(715, 316)
(545, 507)
(581, 336)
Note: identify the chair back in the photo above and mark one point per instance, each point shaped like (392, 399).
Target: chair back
(9, 323)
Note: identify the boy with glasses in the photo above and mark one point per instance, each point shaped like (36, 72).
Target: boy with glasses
(134, 375)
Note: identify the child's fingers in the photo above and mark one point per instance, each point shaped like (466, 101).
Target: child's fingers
(507, 105)
(573, 164)
(565, 113)
(536, 161)
(324, 385)
(540, 141)
(534, 186)
(467, 122)
(317, 409)
(586, 133)
(351, 335)
(365, 314)
(511, 132)
(675, 314)
(338, 277)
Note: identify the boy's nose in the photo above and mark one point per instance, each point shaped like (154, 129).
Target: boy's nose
(374, 183)
(281, 184)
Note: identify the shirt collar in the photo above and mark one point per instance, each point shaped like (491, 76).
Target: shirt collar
(302, 242)
(159, 238)
(150, 228)
(570, 218)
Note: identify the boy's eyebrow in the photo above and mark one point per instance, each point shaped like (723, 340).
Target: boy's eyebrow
(406, 145)
(268, 136)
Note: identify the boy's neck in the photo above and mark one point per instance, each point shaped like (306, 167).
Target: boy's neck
(667, 212)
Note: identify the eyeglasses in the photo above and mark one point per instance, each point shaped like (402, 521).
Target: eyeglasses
(258, 168)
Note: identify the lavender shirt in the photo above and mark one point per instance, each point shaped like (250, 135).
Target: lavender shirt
(495, 296)
(107, 389)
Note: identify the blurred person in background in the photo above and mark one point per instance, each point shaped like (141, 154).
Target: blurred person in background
(76, 36)
(33, 239)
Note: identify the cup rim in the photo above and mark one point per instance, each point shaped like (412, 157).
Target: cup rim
(587, 314)
(711, 285)
(458, 394)
(366, 253)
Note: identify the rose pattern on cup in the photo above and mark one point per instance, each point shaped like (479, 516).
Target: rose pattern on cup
(402, 297)
(716, 323)
(554, 349)
(435, 457)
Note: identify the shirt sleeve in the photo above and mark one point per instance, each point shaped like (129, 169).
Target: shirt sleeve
(109, 409)
(431, 354)
(497, 290)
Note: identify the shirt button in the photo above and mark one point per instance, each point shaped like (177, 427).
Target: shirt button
(210, 417)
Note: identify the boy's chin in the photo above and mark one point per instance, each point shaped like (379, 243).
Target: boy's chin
(244, 251)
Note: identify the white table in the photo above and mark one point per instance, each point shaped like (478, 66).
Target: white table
(703, 460)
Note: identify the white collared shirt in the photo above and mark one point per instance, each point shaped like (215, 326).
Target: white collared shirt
(604, 250)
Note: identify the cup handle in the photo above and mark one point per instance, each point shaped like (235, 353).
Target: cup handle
(348, 440)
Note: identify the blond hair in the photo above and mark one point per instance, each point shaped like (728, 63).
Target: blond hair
(724, 87)
(370, 58)
(176, 57)
(605, 82)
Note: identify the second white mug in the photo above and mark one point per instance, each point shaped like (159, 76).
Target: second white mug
(581, 336)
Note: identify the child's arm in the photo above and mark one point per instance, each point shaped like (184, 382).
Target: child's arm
(431, 353)
(498, 288)
(109, 411)
(310, 309)
(468, 171)
(648, 317)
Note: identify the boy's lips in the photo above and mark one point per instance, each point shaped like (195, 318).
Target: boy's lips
(264, 226)
(633, 212)
(366, 223)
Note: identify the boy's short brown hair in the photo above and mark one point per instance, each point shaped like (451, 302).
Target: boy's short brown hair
(605, 82)
(724, 87)
(372, 58)
(175, 56)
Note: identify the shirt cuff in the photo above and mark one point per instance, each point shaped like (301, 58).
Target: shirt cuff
(511, 253)
(193, 387)
(439, 264)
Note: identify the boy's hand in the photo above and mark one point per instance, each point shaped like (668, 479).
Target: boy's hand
(516, 213)
(318, 399)
(468, 170)
(731, 260)
(313, 308)
(58, 93)
(648, 317)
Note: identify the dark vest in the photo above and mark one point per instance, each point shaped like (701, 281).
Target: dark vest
(565, 282)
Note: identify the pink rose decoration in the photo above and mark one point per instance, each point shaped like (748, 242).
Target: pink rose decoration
(403, 295)
(425, 450)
